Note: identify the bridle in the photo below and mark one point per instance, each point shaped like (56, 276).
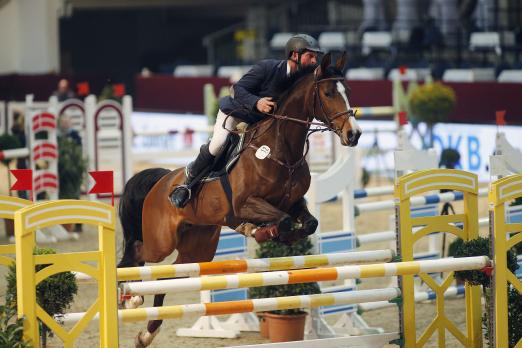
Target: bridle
(327, 123)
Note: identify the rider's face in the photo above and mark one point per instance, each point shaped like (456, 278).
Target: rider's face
(308, 58)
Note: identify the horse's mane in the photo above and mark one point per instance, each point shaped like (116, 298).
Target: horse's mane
(289, 84)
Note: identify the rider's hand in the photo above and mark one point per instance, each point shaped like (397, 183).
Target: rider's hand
(265, 105)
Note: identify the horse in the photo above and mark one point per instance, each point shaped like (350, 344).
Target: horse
(266, 187)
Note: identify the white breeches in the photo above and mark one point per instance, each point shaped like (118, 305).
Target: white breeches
(220, 134)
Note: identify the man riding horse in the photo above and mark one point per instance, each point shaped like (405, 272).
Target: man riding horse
(262, 194)
(255, 91)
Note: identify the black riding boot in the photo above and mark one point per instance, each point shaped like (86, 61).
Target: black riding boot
(196, 170)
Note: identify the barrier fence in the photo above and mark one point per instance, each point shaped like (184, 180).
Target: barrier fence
(39, 215)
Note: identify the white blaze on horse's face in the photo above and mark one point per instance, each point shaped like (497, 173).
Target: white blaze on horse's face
(350, 136)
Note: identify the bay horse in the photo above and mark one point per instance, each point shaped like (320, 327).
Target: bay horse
(266, 191)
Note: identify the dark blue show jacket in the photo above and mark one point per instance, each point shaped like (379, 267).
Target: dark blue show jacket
(265, 79)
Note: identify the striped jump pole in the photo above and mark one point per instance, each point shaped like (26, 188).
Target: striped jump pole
(367, 111)
(14, 153)
(248, 265)
(420, 296)
(386, 236)
(373, 191)
(247, 306)
(418, 201)
(303, 276)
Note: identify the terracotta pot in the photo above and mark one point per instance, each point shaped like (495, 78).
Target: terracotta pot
(68, 227)
(284, 328)
(263, 324)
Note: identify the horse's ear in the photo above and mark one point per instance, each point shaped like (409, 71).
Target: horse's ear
(341, 62)
(325, 62)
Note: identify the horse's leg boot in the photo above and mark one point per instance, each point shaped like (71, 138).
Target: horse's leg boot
(195, 172)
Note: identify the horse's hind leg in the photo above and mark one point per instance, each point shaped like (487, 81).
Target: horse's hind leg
(196, 244)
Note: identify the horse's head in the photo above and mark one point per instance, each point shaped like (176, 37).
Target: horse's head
(331, 104)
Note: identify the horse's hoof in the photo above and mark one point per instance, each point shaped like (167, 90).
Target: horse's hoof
(284, 228)
(144, 339)
(134, 302)
(310, 227)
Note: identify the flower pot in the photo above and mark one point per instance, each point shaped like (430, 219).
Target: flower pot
(284, 328)
(68, 227)
(263, 324)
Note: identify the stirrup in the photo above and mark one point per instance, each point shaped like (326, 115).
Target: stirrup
(180, 196)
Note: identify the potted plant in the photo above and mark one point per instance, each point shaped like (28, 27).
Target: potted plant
(479, 247)
(54, 294)
(431, 103)
(11, 328)
(72, 168)
(285, 325)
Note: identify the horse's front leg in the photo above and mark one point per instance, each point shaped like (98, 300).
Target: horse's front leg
(305, 223)
(278, 224)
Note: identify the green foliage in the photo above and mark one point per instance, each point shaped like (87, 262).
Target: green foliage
(54, 294)
(72, 168)
(11, 328)
(276, 249)
(365, 177)
(514, 316)
(454, 246)
(478, 247)
(8, 142)
(432, 103)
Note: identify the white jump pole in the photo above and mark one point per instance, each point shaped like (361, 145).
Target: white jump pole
(303, 276)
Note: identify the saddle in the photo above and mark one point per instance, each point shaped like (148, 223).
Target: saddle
(229, 156)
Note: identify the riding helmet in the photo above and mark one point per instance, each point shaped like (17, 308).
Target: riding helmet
(301, 43)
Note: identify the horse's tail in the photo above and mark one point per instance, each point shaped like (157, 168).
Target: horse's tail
(131, 206)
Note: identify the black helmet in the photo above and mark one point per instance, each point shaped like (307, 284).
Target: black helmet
(300, 43)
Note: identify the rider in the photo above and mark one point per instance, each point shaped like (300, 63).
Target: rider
(255, 91)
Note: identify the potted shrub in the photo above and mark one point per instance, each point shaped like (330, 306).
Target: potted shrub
(431, 103)
(72, 168)
(54, 294)
(479, 247)
(285, 325)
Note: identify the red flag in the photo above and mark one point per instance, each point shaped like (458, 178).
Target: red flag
(24, 179)
(118, 89)
(403, 118)
(501, 121)
(103, 182)
(403, 69)
(83, 89)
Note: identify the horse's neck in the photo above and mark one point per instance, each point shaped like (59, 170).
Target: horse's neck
(292, 135)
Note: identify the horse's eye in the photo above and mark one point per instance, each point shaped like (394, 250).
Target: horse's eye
(329, 94)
